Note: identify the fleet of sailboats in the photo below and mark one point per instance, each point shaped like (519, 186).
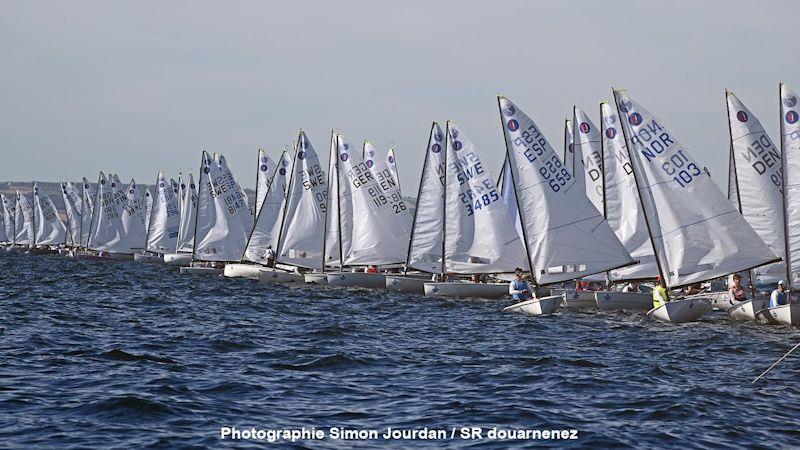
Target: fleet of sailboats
(623, 204)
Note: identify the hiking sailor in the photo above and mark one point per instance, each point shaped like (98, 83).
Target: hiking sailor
(519, 287)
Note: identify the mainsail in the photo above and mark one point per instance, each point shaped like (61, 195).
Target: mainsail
(567, 237)
(425, 245)
(185, 241)
(479, 232)
(134, 217)
(73, 205)
(107, 233)
(23, 220)
(300, 239)
(223, 213)
(381, 172)
(162, 232)
(790, 146)
(50, 230)
(391, 163)
(587, 157)
(623, 208)
(758, 179)
(698, 234)
(569, 146)
(8, 218)
(267, 226)
(264, 174)
(88, 196)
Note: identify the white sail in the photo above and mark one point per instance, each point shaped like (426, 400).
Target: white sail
(567, 236)
(569, 147)
(162, 234)
(266, 170)
(391, 163)
(623, 208)
(376, 235)
(50, 230)
(185, 241)
(588, 158)
(480, 234)
(88, 196)
(23, 220)
(382, 174)
(223, 218)
(5, 220)
(509, 195)
(73, 205)
(790, 141)
(148, 206)
(759, 175)
(425, 248)
(301, 236)
(267, 226)
(698, 234)
(339, 211)
(107, 231)
(134, 217)
(8, 218)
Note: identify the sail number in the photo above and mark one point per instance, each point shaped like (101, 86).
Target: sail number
(473, 201)
(680, 169)
(533, 141)
(554, 173)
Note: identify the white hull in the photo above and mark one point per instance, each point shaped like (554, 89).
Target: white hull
(411, 285)
(537, 306)
(147, 258)
(316, 278)
(178, 259)
(202, 270)
(357, 279)
(269, 276)
(250, 271)
(579, 299)
(466, 289)
(747, 310)
(786, 314)
(619, 301)
(681, 311)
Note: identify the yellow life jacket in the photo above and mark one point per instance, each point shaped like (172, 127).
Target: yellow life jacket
(659, 293)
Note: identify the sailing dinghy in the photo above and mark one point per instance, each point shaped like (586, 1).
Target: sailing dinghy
(565, 236)
(223, 219)
(697, 234)
(107, 238)
(8, 221)
(165, 217)
(478, 232)
(50, 230)
(185, 242)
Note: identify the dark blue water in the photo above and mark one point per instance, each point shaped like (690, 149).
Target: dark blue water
(120, 355)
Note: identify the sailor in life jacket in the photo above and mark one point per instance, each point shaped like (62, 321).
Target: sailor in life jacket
(519, 288)
(660, 293)
(779, 296)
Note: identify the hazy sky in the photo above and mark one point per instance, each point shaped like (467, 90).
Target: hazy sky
(142, 86)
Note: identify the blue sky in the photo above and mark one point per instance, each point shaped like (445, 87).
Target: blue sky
(138, 87)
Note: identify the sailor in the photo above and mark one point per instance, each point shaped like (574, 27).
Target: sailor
(779, 296)
(660, 294)
(519, 288)
(736, 290)
(632, 286)
(269, 255)
(372, 269)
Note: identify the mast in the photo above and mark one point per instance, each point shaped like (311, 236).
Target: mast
(197, 208)
(286, 201)
(419, 192)
(150, 222)
(516, 197)
(444, 199)
(327, 203)
(783, 192)
(638, 188)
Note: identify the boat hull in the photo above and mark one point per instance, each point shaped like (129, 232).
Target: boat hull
(786, 314)
(357, 279)
(148, 258)
(399, 283)
(249, 271)
(681, 311)
(464, 289)
(178, 259)
(316, 278)
(579, 299)
(746, 310)
(537, 306)
(622, 301)
(202, 270)
(269, 276)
